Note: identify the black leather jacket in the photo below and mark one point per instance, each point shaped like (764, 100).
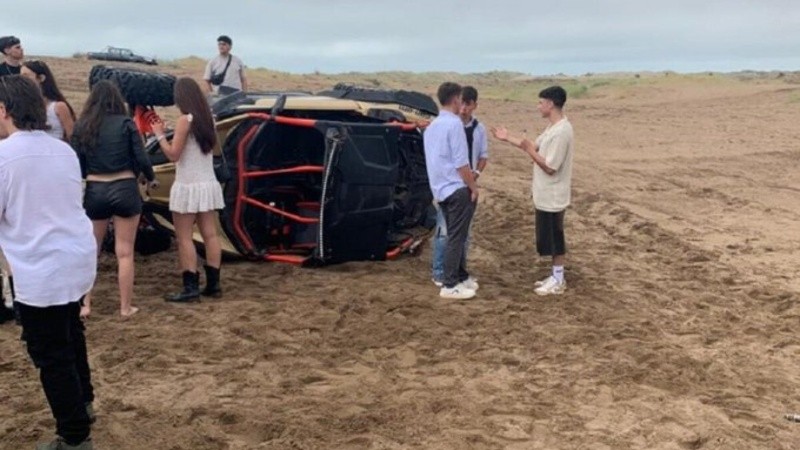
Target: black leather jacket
(118, 147)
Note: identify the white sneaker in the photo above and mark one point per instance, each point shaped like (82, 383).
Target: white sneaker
(437, 282)
(541, 282)
(458, 292)
(551, 287)
(471, 283)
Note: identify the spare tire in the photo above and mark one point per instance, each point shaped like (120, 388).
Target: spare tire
(138, 87)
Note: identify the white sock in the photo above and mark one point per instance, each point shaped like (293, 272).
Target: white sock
(558, 273)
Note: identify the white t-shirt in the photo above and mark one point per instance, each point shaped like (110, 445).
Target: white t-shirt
(44, 231)
(552, 193)
(233, 77)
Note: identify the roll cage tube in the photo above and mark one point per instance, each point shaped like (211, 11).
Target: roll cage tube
(243, 174)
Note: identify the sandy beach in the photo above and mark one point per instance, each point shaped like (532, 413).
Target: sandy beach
(678, 329)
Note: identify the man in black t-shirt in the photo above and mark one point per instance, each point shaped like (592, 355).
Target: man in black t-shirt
(13, 54)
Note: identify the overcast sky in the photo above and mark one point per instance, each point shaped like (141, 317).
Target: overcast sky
(529, 36)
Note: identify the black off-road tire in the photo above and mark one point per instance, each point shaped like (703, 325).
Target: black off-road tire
(138, 87)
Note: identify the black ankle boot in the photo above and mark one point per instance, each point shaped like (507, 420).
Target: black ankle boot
(191, 289)
(212, 289)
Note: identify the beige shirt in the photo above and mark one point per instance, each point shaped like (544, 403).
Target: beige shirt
(552, 193)
(233, 77)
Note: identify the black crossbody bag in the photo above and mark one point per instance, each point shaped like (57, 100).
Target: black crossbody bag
(218, 78)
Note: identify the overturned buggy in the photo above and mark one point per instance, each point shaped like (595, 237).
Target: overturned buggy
(308, 179)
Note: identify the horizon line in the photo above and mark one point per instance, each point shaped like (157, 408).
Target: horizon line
(496, 71)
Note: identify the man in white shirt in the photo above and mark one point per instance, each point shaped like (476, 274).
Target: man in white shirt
(48, 241)
(225, 72)
(552, 182)
(454, 188)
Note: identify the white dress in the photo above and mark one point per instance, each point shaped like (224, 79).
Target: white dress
(196, 188)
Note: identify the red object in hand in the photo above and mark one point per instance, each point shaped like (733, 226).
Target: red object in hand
(143, 117)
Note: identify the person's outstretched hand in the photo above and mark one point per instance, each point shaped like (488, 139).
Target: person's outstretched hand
(500, 133)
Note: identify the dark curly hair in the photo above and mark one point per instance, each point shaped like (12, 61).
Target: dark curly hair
(556, 94)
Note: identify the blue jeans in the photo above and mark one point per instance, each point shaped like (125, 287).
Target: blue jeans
(439, 244)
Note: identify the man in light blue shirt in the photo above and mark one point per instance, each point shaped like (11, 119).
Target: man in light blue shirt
(454, 188)
(478, 146)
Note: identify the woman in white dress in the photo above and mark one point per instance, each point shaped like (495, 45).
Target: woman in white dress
(60, 115)
(196, 195)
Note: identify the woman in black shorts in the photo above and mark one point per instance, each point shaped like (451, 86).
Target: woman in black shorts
(112, 156)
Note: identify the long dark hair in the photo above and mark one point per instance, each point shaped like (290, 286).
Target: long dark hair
(190, 100)
(104, 100)
(49, 87)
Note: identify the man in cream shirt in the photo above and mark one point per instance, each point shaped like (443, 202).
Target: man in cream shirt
(552, 182)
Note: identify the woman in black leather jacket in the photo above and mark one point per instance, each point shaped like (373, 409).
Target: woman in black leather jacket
(112, 156)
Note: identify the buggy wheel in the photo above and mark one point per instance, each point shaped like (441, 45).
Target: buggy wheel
(138, 87)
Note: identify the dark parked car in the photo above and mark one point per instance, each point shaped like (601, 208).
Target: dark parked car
(120, 54)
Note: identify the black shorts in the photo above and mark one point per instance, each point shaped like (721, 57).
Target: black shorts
(550, 233)
(104, 199)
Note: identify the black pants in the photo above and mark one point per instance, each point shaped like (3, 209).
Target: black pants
(458, 209)
(57, 346)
